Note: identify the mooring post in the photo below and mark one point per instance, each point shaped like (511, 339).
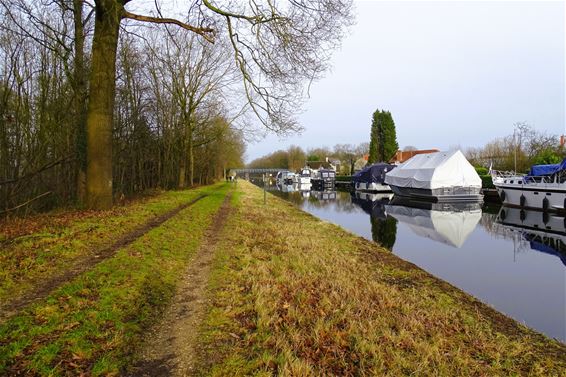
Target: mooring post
(264, 192)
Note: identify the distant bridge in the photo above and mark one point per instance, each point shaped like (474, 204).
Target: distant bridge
(256, 171)
(247, 172)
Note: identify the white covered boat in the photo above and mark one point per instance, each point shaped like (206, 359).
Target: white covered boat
(544, 188)
(440, 176)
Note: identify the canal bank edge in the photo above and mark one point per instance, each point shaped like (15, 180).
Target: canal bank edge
(294, 295)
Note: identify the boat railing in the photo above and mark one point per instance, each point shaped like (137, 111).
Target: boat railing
(504, 174)
(498, 175)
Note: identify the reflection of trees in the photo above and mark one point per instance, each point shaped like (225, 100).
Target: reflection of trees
(489, 222)
(384, 232)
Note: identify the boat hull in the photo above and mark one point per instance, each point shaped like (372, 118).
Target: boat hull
(449, 194)
(322, 184)
(372, 187)
(531, 196)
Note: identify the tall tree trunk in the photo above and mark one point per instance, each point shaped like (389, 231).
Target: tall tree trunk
(80, 89)
(190, 152)
(101, 103)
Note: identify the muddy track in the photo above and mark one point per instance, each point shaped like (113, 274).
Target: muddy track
(85, 263)
(170, 346)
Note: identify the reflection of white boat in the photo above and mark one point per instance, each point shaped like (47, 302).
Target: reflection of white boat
(304, 186)
(543, 232)
(543, 188)
(451, 224)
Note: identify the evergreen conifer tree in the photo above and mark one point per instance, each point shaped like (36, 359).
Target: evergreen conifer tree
(383, 138)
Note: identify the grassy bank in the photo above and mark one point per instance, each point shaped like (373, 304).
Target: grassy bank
(292, 295)
(35, 249)
(94, 323)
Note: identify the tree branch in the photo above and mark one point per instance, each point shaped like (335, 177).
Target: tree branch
(206, 33)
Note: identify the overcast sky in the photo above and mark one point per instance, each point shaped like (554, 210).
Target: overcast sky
(451, 73)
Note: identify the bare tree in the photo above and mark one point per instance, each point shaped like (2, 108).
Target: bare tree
(276, 48)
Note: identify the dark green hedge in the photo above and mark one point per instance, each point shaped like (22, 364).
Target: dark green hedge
(486, 181)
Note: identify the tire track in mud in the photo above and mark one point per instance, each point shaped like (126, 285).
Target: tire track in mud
(86, 263)
(170, 346)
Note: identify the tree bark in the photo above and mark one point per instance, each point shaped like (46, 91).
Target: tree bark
(101, 103)
(190, 152)
(182, 172)
(80, 89)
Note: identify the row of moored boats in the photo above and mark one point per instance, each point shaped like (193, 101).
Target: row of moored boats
(449, 177)
(318, 179)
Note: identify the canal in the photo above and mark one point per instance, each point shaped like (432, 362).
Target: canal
(513, 260)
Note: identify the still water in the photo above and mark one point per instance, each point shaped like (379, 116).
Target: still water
(513, 260)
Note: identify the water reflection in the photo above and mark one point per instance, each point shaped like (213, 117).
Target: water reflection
(383, 227)
(511, 259)
(448, 223)
(539, 231)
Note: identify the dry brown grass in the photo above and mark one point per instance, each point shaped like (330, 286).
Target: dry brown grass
(296, 296)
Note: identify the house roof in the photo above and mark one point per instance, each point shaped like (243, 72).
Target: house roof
(402, 156)
(319, 164)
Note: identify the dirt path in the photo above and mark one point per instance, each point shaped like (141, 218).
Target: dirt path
(170, 346)
(85, 263)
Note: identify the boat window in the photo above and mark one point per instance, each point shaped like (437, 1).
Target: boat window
(325, 175)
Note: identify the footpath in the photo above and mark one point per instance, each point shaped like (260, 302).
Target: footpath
(221, 284)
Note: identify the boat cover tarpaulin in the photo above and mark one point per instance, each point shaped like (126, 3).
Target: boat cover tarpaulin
(539, 170)
(372, 174)
(449, 227)
(435, 170)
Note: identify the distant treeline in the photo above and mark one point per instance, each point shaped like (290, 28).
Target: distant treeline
(295, 157)
(524, 148)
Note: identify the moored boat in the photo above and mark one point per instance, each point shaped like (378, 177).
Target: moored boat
(543, 188)
(372, 178)
(304, 176)
(438, 177)
(285, 177)
(325, 179)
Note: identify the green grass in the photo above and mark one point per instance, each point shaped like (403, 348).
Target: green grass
(55, 240)
(294, 296)
(93, 324)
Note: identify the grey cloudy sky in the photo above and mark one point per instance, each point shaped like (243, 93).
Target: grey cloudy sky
(451, 73)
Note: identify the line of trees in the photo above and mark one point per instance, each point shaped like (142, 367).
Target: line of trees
(523, 148)
(295, 157)
(98, 101)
